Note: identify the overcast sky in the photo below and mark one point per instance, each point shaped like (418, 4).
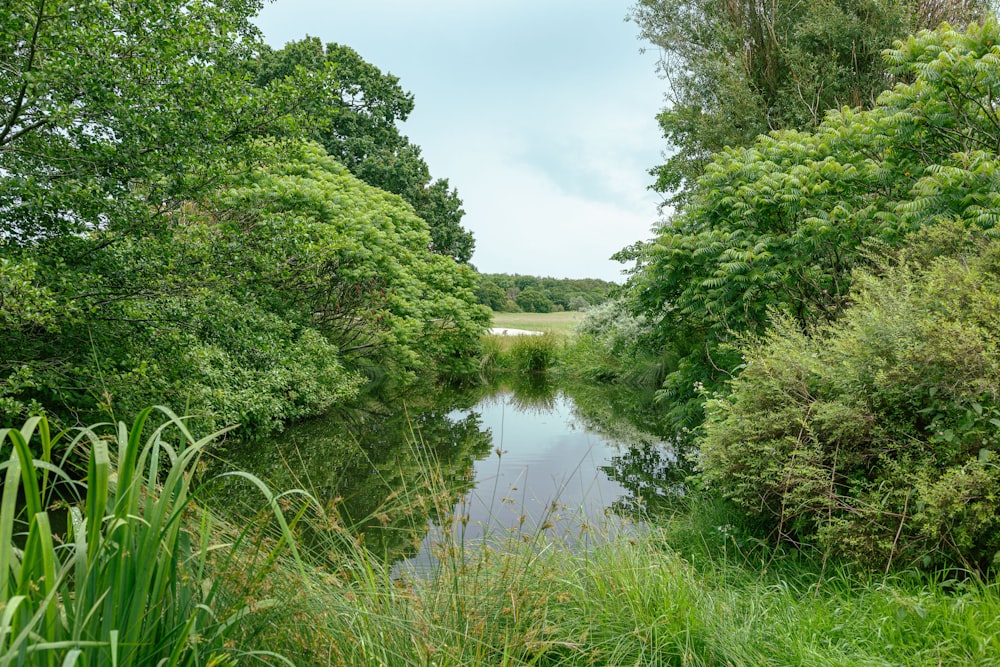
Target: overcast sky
(541, 113)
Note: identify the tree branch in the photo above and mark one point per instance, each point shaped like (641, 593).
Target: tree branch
(19, 104)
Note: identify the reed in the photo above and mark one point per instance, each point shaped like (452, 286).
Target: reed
(695, 590)
(142, 575)
(531, 354)
(134, 578)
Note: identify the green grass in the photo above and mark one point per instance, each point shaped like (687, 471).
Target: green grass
(144, 576)
(557, 323)
(693, 591)
(529, 354)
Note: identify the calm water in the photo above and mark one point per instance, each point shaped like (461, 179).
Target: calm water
(520, 457)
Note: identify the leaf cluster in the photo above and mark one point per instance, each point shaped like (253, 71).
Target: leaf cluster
(354, 117)
(737, 69)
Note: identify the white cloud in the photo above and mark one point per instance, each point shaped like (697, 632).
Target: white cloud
(542, 114)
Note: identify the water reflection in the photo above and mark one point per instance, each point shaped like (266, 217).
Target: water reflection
(518, 455)
(372, 468)
(653, 462)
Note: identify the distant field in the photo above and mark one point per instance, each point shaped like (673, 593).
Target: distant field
(560, 323)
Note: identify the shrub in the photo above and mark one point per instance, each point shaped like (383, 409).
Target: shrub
(877, 437)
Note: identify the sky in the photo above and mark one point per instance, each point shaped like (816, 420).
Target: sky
(542, 113)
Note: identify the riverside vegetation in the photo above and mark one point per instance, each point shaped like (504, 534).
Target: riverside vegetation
(815, 325)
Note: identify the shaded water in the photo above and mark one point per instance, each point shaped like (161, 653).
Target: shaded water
(521, 456)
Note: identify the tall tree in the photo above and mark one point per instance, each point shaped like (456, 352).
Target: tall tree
(141, 237)
(357, 118)
(111, 113)
(739, 68)
(782, 224)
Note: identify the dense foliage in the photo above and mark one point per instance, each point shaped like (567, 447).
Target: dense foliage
(514, 293)
(781, 224)
(157, 247)
(877, 436)
(742, 68)
(356, 119)
(131, 573)
(832, 293)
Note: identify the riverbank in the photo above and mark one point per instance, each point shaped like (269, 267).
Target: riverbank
(690, 592)
(696, 587)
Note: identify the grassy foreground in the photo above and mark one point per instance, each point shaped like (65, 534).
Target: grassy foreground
(143, 576)
(685, 594)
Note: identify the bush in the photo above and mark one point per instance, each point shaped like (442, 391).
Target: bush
(877, 437)
(519, 353)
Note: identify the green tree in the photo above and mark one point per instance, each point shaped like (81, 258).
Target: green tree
(147, 255)
(533, 300)
(354, 262)
(269, 300)
(491, 295)
(741, 68)
(781, 224)
(355, 119)
(565, 293)
(111, 113)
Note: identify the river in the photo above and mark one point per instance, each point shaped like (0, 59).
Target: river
(521, 456)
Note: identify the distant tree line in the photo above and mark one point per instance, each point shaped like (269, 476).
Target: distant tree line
(516, 293)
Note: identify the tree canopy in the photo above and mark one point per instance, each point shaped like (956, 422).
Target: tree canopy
(741, 68)
(780, 225)
(356, 117)
(503, 292)
(111, 113)
(159, 245)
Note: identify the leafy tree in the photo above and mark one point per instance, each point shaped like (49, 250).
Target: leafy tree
(112, 113)
(491, 295)
(741, 68)
(147, 255)
(356, 119)
(533, 300)
(781, 224)
(270, 300)
(355, 263)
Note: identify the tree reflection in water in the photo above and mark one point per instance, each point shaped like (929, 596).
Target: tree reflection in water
(386, 476)
(654, 461)
(383, 475)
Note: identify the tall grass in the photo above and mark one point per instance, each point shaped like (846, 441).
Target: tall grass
(693, 590)
(519, 353)
(134, 578)
(142, 576)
